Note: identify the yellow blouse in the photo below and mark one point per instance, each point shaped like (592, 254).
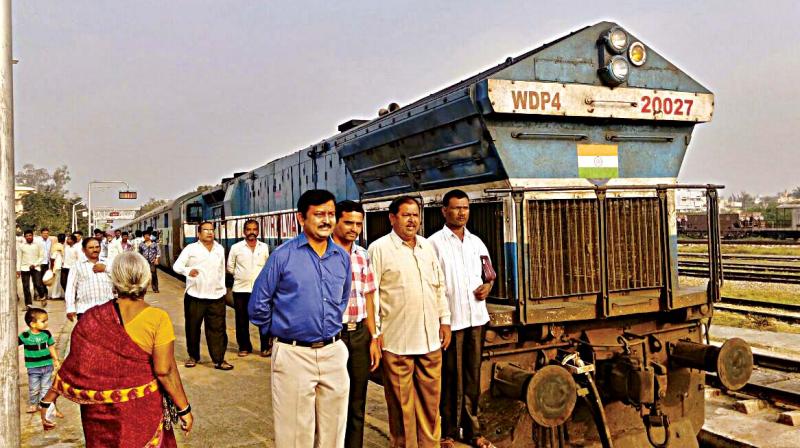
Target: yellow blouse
(150, 328)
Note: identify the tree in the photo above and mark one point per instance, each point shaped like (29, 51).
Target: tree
(49, 206)
(795, 193)
(151, 204)
(42, 180)
(203, 188)
(49, 209)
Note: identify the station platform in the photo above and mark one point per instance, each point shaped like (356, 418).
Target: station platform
(231, 409)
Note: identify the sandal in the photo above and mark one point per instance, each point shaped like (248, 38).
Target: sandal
(47, 425)
(482, 442)
(191, 362)
(447, 442)
(224, 365)
(243, 353)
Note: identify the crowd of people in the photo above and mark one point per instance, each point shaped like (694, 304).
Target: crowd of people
(329, 312)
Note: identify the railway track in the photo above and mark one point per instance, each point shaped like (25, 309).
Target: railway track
(771, 382)
(743, 242)
(785, 312)
(731, 274)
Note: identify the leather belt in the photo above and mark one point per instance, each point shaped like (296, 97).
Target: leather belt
(317, 344)
(353, 326)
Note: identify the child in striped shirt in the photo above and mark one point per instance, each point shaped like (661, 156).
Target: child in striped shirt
(40, 356)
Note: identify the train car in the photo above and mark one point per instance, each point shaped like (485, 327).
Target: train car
(736, 226)
(570, 154)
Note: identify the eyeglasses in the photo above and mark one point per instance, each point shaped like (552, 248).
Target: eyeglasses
(206, 230)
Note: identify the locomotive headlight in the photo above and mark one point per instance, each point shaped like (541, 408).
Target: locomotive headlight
(616, 72)
(616, 40)
(637, 54)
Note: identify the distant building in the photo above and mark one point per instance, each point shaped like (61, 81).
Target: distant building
(20, 192)
(690, 201)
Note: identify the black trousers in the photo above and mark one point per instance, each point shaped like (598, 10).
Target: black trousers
(212, 312)
(240, 301)
(64, 277)
(154, 277)
(44, 267)
(461, 384)
(357, 343)
(35, 277)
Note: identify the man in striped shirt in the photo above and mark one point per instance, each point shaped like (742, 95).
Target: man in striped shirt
(358, 331)
(88, 284)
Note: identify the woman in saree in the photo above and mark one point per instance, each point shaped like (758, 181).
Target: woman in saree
(121, 368)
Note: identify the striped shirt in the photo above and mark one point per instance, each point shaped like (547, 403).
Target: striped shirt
(363, 283)
(36, 348)
(461, 264)
(86, 289)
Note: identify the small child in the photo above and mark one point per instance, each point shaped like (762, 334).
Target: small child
(40, 356)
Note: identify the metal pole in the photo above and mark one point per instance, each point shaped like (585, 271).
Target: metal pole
(9, 368)
(74, 217)
(89, 198)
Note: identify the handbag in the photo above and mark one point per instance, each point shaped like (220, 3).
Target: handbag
(488, 274)
(170, 412)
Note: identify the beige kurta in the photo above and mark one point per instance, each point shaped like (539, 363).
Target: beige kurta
(410, 295)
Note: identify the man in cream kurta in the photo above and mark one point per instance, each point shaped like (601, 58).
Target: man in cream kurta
(415, 326)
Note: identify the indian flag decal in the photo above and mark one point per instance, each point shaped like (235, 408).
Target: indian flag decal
(598, 161)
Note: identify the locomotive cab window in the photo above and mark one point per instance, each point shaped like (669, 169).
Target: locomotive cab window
(194, 213)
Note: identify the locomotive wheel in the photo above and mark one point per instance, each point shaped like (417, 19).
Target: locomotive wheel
(734, 364)
(551, 396)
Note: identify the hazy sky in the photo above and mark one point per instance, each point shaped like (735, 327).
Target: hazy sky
(170, 95)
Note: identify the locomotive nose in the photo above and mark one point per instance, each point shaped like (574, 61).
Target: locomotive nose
(732, 362)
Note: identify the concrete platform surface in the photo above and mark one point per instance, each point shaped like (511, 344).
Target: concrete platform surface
(231, 409)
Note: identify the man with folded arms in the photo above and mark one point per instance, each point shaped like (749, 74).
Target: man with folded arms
(415, 326)
(299, 299)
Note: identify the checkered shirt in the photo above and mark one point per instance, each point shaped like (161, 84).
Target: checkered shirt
(363, 283)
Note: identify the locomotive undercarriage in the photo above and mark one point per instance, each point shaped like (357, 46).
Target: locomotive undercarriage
(622, 380)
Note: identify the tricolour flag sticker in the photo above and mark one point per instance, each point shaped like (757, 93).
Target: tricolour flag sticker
(598, 161)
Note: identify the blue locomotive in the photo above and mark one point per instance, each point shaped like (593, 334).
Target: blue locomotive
(570, 154)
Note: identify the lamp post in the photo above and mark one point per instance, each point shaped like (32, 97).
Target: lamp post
(89, 197)
(74, 217)
(9, 368)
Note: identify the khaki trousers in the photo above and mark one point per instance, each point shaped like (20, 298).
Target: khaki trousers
(309, 395)
(412, 385)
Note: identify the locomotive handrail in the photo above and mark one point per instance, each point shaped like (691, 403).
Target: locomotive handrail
(606, 188)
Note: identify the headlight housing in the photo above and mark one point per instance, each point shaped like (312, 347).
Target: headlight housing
(616, 40)
(616, 72)
(637, 54)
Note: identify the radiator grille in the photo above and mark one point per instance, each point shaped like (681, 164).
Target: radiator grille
(563, 242)
(634, 252)
(563, 246)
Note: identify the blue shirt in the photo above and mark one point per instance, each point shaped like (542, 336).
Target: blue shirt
(300, 295)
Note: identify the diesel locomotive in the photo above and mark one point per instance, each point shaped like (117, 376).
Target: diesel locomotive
(570, 154)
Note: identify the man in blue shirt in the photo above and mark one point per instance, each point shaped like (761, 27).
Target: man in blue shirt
(299, 299)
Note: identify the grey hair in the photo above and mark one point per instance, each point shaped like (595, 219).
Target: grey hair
(130, 274)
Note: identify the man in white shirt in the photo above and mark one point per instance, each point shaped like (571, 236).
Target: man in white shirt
(29, 257)
(203, 264)
(245, 261)
(459, 252)
(72, 255)
(89, 283)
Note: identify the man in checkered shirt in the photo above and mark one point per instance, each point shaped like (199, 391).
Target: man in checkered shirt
(358, 322)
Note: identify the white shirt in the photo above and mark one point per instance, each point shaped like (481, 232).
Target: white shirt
(210, 280)
(47, 244)
(29, 255)
(245, 264)
(113, 249)
(72, 255)
(86, 288)
(461, 263)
